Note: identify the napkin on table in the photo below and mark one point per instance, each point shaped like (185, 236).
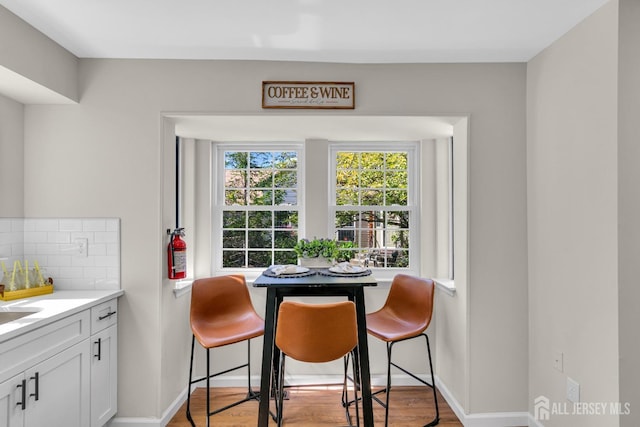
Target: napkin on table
(344, 267)
(284, 269)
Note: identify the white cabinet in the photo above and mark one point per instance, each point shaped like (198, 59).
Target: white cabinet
(11, 401)
(54, 392)
(104, 362)
(58, 390)
(63, 374)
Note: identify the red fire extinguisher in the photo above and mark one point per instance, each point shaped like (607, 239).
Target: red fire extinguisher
(177, 252)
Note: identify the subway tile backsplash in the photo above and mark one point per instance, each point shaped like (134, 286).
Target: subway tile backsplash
(78, 253)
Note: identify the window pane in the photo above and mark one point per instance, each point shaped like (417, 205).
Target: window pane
(397, 161)
(346, 218)
(260, 219)
(285, 239)
(233, 258)
(347, 197)
(259, 178)
(235, 178)
(235, 160)
(266, 181)
(285, 179)
(348, 178)
(286, 219)
(347, 160)
(260, 259)
(285, 160)
(396, 197)
(259, 239)
(261, 197)
(235, 197)
(372, 160)
(234, 219)
(261, 160)
(372, 179)
(398, 219)
(233, 239)
(285, 197)
(397, 179)
(372, 198)
(378, 180)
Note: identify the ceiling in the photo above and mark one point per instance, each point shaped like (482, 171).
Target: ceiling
(348, 31)
(352, 31)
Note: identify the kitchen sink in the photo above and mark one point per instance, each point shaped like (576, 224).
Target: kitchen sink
(7, 316)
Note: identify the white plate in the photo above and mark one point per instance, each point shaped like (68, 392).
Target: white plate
(298, 270)
(353, 270)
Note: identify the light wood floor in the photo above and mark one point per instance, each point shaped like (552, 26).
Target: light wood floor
(318, 406)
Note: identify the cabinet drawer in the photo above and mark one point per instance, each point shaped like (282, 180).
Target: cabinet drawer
(33, 347)
(104, 315)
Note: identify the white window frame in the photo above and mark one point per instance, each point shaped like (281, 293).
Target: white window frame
(217, 187)
(412, 148)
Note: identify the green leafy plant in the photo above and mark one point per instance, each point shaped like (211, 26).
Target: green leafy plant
(315, 247)
(345, 250)
(328, 248)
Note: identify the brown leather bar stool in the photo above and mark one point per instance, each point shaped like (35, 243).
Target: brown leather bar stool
(222, 314)
(405, 315)
(315, 333)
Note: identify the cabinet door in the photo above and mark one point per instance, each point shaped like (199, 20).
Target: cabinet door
(104, 376)
(58, 389)
(11, 402)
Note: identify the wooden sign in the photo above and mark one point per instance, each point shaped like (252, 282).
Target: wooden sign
(335, 95)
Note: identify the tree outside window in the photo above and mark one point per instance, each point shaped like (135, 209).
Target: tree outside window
(260, 214)
(371, 197)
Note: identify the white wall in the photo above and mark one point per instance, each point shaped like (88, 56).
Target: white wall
(629, 206)
(48, 73)
(11, 158)
(110, 155)
(573, 216)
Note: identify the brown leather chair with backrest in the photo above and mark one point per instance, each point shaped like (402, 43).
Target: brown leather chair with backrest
(222, 314)
(405, 315)
(315, 333)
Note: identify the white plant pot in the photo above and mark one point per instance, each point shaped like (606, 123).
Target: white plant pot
(317, 262)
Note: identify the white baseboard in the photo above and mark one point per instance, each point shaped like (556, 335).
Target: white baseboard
(533, 422)
(151, 422)
(489, 419)
(493, 419)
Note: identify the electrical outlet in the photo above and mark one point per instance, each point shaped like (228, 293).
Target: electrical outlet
(82, 246)
(558, 361)
(573, 391)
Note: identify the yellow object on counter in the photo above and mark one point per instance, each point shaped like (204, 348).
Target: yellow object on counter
(26, 293)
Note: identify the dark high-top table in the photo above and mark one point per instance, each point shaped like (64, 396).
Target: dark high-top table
(321, 286)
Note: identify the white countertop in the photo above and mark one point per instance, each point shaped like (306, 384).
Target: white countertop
(50, 308)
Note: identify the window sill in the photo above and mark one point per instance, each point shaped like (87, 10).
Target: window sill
(446, 285)
(182, 287)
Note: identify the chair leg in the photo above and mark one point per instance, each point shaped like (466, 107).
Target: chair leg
(436, 420)
(251, 395)
(193, 342)
(356, 384)
(387, 390)
(208, 391)
(345, 397)
(388, 386)
(280, 393)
